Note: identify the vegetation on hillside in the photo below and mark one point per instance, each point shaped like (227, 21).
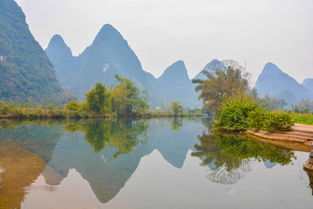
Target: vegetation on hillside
(27, 74)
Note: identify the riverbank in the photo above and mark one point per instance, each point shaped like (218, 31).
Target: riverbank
(303, 118)
(61, 113)
(299, 133)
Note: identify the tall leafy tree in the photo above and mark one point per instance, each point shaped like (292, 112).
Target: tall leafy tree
(221, 84)
(99, 99)
(127, 98)
(177, 108)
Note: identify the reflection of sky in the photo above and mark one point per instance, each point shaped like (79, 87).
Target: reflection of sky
(158, 184)
(212, 165)
(269, 164)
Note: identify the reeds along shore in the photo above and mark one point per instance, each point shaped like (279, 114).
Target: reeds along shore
(13, 112)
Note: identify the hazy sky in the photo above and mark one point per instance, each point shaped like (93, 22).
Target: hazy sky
(161, 32)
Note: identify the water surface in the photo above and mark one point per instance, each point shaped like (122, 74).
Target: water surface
(145, 164)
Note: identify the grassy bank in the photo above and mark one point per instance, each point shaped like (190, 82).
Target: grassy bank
(11, 111)
(304, 118)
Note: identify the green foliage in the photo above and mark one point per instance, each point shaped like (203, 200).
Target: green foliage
(221, 85)
(122, 134)
(127, 99)
(98, 100)
(228, 155)
(27, 75)
(256, 118)
(73, 106)
(243, 113)
(177, 108)
(304, 118)
(278, 121)
(235, 113)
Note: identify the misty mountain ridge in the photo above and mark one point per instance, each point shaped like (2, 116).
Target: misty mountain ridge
(308, 83)
(211, 67)
(274, 82)
(110, 54)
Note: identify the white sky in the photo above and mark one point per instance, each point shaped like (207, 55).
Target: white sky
(161, 32)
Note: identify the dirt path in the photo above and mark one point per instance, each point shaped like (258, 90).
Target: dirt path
(300, 134)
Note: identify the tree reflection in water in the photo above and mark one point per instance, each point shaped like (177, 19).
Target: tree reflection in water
(123, 135)
(228, 155)
(177, 123)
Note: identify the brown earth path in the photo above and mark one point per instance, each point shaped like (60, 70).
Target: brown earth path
(299, 135)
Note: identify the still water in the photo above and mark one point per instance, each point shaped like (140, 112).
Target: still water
(146, 164)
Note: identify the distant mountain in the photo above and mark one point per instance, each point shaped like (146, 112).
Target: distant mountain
(110, 54)
(59, 53)
(26, 72)
(273, 82)
(211, 67)
(308, 83)
(174, 85)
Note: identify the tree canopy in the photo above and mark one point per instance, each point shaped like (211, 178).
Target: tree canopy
(127, 99)
(222, 84)
(98, 99)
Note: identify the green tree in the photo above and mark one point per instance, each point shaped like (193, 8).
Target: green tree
(222, 84)
(127, 99)
(99, 100)
(177, 108)
(73, 106)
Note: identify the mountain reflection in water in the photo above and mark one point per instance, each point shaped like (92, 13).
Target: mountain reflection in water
(107, 153)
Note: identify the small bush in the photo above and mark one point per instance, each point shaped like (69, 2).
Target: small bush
(278, 121)
(234, 115)
(241, 114)
(257, 117)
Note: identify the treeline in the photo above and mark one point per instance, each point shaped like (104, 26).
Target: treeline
(236, 107)
(121, 100)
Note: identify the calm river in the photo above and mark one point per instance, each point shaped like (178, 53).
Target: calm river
(145, 164)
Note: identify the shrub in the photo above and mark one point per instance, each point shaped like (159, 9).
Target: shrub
(278, 121)
(241, 114)
(235, 113)
(257, 117)
(73, 106)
